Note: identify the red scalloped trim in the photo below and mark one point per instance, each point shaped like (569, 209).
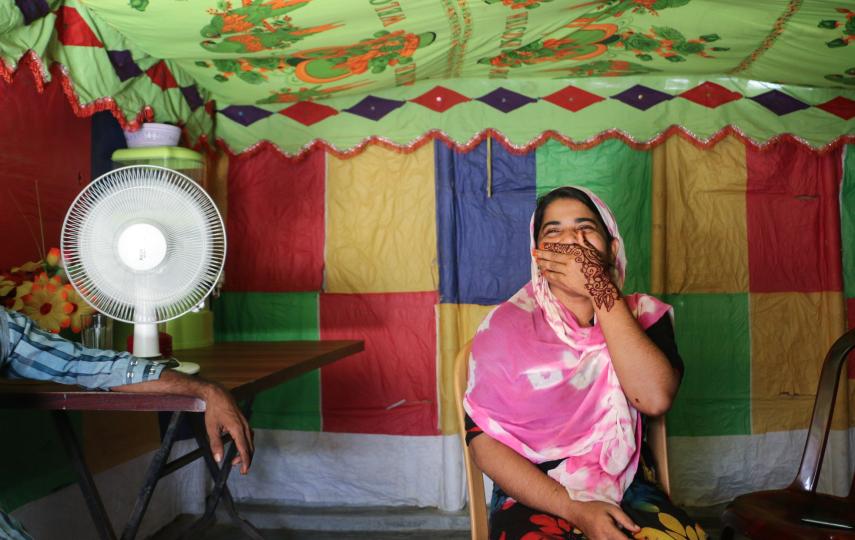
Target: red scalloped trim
(435, 135)
(32, 61)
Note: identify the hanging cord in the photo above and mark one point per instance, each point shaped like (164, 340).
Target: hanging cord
(489, 166)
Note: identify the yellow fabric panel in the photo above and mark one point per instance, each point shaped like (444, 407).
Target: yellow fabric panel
(703, 223)
(457, 325)
(790, 336)
(114, 437)
(381, 222)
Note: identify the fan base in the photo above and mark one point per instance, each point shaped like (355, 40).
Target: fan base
(188, 368)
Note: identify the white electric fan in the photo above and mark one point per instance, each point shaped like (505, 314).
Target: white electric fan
(144, 244)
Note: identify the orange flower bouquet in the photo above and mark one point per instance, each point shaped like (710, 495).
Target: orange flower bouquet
(41, 291)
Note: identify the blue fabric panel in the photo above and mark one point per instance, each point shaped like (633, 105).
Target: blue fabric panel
(107, 137)
(483, 241)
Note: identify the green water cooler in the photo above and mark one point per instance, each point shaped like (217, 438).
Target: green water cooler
(196, 328)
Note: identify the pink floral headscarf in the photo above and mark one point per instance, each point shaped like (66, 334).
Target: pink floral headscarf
(544, 385)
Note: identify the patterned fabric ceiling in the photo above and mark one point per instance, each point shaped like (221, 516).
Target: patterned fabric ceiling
(303, 72)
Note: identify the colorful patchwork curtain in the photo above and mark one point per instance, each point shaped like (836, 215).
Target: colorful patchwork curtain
(409, 251)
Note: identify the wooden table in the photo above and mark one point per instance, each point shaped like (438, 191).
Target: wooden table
(243, 368)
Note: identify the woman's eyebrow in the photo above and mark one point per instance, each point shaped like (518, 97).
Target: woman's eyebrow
(548, 223)
(586, 220)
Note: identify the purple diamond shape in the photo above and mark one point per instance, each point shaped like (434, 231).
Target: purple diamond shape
(245, 114)
(505, 100)
(642, 97)
(32, 9)
(191, 95)
(780, 103)
(124, 65)
(374, 108)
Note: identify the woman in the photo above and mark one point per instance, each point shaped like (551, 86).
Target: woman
(559, 377)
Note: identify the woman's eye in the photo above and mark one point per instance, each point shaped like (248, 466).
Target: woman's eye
(551, 231)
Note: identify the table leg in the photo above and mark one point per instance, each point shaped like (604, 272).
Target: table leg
(84, 477)
(220, 474)
(153, 474)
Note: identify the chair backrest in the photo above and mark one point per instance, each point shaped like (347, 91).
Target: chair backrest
(474, 477)
(657, 439)
(823, 409)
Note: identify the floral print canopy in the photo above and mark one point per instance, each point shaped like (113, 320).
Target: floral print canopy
(297, 73)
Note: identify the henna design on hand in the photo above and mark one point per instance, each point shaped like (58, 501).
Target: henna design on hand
(597, 281)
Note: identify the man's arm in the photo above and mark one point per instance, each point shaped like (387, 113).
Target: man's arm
(221, 412)
(28, 352)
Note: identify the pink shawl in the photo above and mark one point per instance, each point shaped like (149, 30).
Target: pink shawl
(545, 386)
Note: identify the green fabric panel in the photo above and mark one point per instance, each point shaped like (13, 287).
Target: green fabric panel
(847, 221)
(713, 339)
(619, 175)
(33, 462)
(295, 404)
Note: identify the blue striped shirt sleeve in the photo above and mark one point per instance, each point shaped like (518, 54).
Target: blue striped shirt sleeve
(27, 352)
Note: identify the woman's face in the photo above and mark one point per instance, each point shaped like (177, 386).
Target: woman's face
(568, 221)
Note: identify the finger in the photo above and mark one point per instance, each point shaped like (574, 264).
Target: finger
(240, 441)
(214, 440)
(248, 434)
(622, 519)
(544, 255)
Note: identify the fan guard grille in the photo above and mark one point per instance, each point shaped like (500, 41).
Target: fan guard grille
(143, 194)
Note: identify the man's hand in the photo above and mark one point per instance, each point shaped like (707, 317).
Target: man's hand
(600, 520)
(223, 416)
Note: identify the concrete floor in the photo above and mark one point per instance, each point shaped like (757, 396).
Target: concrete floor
(277, 523)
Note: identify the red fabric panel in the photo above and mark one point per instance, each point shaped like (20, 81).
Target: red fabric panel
(390, 388)
(850, 315)
(275, 223)
(44, 157)
(793, 219)
(73, 30)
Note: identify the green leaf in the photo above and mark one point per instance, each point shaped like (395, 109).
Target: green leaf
(202, 63)
(638, 42)
(839, 42)
(828, 23)
(251, 77)
(665, 4)
(676, 58)
(220, 78)
(645, 57)
(689, 48)
(666, 32)
(709, 38)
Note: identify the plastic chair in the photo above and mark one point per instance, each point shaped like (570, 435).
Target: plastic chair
(798, 511)
(474, 476)
(656, 438)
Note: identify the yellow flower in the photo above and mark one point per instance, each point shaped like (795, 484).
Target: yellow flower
(23, 290)
(649, 533)
(45, 304)
(76, 308)
(52, 258)
(675, 530)
(42, 280)
(6, 286)
(28, 268)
